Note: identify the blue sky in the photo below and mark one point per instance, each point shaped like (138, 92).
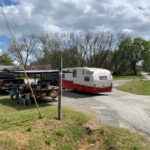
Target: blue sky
(9, 2)
(4, 40)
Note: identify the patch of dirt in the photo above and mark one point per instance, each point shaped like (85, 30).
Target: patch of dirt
(92, 125)
(19, 138)
(88, 146)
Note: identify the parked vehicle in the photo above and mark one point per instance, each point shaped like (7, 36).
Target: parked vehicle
(51, 79)
(8, 79)
(88, 80)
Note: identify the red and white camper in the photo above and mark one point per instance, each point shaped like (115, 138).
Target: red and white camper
(88, 80)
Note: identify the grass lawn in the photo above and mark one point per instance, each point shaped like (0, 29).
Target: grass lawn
(127, 77)
(20, 128)
(136, 87)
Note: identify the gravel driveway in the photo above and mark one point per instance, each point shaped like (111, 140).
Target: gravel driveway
(114, 108)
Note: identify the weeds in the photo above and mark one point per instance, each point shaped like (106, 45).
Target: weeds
(49, 140)
(110, 139)
(135, 148)
(29, 129)
(91, 139)
(60, 133)
(20, 123)
(77, 132)
(66, 147)
(102, 131)
(45, 132)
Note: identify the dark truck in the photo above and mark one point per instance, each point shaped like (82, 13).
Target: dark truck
(8, 79)
(51, 79)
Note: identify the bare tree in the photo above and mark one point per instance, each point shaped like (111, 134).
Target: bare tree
(27, 47)
(50, 46)
(91, 44)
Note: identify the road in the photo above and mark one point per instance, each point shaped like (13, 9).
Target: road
(146, 75)
(114, 108)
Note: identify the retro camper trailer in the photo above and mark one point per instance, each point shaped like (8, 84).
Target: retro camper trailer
(88, 80)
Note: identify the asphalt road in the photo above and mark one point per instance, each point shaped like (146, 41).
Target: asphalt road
(114, 108)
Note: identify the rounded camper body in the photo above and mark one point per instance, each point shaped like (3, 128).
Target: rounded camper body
(89, 80)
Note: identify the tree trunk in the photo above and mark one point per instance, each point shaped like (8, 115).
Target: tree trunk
(134, 68)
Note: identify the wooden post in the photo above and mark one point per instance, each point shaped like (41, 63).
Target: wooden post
(60, 90)
(35, 78)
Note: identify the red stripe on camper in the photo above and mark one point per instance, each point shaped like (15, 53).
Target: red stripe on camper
(82, 88)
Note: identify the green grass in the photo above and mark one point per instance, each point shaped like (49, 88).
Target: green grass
(20, 128)
(49, 140)
(60, 133)
(128, 77)
(29, 129)
(136, 87)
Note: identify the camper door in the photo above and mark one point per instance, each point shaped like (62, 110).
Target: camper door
(88, 78)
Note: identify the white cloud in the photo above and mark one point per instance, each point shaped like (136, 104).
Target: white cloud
(127, 30)
(30, 57)
(51, 28)
(1, 51)
(16, 63)
(87, 9)
(31, 16)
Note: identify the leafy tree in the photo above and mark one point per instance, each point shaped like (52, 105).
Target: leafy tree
(71, 57)
(146, 57)
(133, 51)
(6, 60)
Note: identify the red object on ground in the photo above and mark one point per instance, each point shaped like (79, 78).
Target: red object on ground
(3, 83)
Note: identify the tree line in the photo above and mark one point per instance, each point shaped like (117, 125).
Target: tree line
(120, 53)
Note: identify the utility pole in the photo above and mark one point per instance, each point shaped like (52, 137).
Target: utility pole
(60, 90)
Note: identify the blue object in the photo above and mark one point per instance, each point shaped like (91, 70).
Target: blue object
(14, 92)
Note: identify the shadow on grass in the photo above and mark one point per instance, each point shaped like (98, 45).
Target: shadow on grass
(4, 93)
(13, 104)
(76, 95)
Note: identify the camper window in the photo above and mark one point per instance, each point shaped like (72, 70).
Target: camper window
(87, 78)
(63, 76)
(103, 77)
(74, 73)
